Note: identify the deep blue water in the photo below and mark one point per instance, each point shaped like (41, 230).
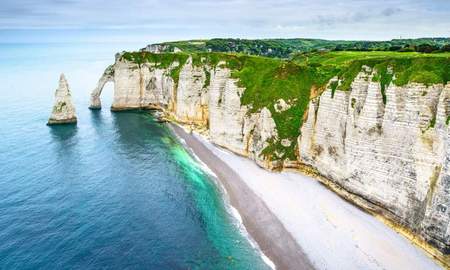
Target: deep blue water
(117, 191)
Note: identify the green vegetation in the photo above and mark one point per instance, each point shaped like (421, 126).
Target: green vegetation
(267, 80)
(160, 61)
(333, 87)
(59, 107)
(398, 68)
(208, 78)
(400, 71)
(384, 76)
(284, 48)
(433, 122)
(346, 57)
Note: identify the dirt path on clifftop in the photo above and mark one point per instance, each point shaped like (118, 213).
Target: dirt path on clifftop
(270, 234)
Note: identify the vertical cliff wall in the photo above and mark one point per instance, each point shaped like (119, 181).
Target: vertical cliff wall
(204, 96)
(387, 144)
(394, 155)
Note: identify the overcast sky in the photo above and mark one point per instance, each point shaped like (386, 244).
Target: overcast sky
(158, 20)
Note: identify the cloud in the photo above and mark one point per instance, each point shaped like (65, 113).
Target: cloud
(353, 19)
(390, 11)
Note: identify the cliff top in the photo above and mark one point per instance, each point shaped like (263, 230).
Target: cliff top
(284, 48)
(296, 81)
(405, 67)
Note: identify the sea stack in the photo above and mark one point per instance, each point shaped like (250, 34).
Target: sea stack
(63, 111)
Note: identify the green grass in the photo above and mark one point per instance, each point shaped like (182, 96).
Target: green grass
(426, 70)
(433, 122)
(266, 80)
(398, 68)
(284, 48)
(333, 87)
(159, 60)
(346, 57)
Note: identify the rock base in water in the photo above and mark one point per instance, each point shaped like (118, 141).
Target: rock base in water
(95, 107)
(52, 122)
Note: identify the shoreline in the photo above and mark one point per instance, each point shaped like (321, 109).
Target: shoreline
(273, 239)
(328, 231)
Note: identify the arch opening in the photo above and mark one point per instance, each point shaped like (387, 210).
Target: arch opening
(108, 76)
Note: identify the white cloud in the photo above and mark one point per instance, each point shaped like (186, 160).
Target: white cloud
(351, 19)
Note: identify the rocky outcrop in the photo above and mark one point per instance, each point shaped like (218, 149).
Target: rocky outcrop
(63, 111)
(160, 48)
(137, 87)
(281, 105)
(394, 155)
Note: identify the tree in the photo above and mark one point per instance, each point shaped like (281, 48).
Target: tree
(445, 48)
(426, 48)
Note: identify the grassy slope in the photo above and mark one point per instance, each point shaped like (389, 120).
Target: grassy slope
(406, 67)
(267, 79)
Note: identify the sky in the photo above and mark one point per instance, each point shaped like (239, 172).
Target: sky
(166, 20)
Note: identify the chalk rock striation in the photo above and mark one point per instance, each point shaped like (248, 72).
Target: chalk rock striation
(63, 111)
(394, 155)
(203, 96)
(393, 151)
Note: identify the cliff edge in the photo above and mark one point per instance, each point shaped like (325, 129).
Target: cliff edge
(377, 128)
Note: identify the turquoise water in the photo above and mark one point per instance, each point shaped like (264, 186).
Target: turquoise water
(117, 191)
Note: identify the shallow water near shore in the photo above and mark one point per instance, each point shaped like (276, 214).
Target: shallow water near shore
(115, 191)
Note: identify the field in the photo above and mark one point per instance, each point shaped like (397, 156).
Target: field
(340, 58)
(285, 48)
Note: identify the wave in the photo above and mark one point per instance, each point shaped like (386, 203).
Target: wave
(232, 211)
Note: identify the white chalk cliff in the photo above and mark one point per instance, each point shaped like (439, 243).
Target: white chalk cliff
(63, 111)
(215, 106)
(395, 156)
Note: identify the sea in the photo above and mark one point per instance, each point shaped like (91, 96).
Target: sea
(116, 191)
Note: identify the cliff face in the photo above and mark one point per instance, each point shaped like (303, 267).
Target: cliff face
(206, 97)
(395, 155)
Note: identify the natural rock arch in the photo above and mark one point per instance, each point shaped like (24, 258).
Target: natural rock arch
(108, 76)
